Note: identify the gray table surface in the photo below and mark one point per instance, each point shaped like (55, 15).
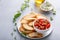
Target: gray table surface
(9, 7)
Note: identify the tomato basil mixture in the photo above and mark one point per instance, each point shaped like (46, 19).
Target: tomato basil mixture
(42, 24)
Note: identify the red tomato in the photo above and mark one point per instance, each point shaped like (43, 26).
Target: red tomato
(42, 24)
(42, 28)
(48, 25)
(36, 24)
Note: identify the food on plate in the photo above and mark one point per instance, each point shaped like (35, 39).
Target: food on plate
(31, 15)
(27, 27)
(35, 35)
(27, 23)
(24, 21)
(24, 30)
(31, 24)
(29, 19)
(42, 24)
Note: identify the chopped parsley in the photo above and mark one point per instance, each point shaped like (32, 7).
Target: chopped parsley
(12, 33)
(51, 18)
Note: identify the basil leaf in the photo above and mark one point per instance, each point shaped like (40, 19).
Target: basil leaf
(24, 6)
(16, 16)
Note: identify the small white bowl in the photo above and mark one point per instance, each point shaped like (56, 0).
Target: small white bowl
(41, 31)
(44, 8)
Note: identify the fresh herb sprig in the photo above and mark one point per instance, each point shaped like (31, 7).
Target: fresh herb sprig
(26, 1)
(16, 16)
(54, 11)
(12, 34)
(14, 30)
(15, 38)
(15, 24)
(25, 5)
(51, 18)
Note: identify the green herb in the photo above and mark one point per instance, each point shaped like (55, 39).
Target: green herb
(54, 11)
(16, 16)
(51, 18)
(26, 1)
(12, 33)
(14, 30)
(15, 24)
(15, 38)
(24, 6)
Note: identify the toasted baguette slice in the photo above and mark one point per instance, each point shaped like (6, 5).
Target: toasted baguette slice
(25, 31)
(35, 35)
(31, 23)
(31, 15)
(29, 19)
(27, 27)
(38, 15)
(24, 21)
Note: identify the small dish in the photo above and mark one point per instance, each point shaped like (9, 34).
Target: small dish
(46, 7)
(41, 25)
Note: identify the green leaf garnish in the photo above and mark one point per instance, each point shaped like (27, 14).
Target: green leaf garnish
(14, 30)
(24, 6)
(15, 24)
(15, 38)
(12, 33)
(26, 1)
(54, 11)
(51, 18)
(16, 16)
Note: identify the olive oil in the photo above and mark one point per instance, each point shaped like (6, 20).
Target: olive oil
(38, 2)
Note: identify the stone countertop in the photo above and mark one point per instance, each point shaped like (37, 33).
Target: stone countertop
(9, 7)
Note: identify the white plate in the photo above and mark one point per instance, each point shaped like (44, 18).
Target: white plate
(44, 35)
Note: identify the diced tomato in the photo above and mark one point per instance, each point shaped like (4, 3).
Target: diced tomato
(42, 28)
(36, 24)
(48, 25)
(41, 20)
(42, 24)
